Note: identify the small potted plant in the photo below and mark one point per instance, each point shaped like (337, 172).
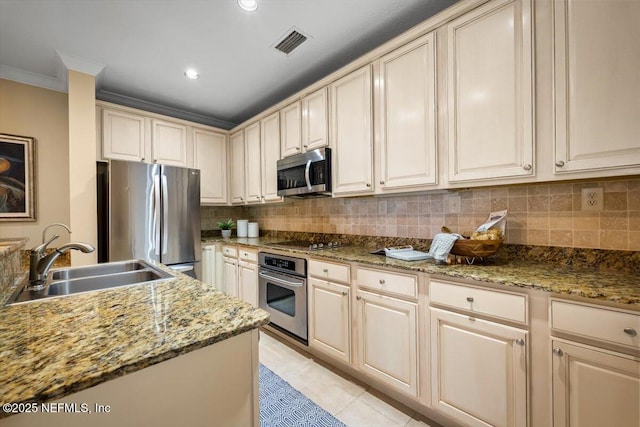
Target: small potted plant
(226, 227)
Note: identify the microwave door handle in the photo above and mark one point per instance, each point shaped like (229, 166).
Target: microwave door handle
(279, 280)
(307, 168)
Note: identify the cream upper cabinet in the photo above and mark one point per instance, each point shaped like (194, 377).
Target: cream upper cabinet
(330, 318)
(168, 143)
(270, 154)
(478, 370)
(597, 84)
(593, 388)
(252, 172)
(352, 134)
(123, 135)
(210, 156)
(291, 133)
(489, 90)
(407, 116)
(388, 339)
(315, 120)
(236, 141)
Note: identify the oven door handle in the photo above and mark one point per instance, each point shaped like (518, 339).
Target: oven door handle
(306, 174)
(279, 280)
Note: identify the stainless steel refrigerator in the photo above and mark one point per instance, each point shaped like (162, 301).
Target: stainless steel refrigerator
(150, 211)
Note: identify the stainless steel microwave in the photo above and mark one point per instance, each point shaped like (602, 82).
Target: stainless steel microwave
(305, 174)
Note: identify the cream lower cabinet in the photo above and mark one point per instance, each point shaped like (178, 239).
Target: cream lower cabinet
(330, 318)
(478, 370)
(248, 282)
(210, 156)
(594, 388)
(230, 268)
(597, 88)
(236, 144)
(490, 92)
(387, 340)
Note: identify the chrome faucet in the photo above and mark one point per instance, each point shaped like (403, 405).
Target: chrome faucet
(40, 265)
(55, 224)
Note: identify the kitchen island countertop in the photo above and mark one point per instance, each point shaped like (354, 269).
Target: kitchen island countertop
(599, 285)
(54, 347)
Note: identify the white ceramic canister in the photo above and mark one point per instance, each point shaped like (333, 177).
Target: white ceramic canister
(242, 227)
(253, 229)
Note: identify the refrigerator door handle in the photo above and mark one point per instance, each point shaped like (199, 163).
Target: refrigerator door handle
(156, 215)
(165, 214)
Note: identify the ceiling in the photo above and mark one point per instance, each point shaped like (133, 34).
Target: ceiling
(146, 46)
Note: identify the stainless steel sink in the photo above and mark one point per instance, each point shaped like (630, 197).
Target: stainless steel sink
(74, 280)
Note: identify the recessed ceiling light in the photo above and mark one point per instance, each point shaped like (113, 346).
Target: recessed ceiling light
(191, 74)
(248, 5)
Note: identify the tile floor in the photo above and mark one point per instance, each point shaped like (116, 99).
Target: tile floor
(352, 402)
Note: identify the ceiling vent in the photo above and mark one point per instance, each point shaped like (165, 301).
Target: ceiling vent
(291, 40)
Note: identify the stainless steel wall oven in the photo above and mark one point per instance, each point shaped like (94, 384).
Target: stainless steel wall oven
(282, 292)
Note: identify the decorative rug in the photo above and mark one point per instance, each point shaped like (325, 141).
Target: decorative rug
(281, 405)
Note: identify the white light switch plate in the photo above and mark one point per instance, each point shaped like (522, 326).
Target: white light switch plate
(454, 203)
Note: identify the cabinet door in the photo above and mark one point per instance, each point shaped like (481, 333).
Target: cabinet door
(315, 120)
(231, 277)
(169, 143)
(479, 370)
(351, 133)
(597, 84)
(248, 282)
(210, 156)
(329, 318)
(407, 115)
(237, 167)
(594, 388)
(489, 69)
(122, 135)
(270, 154)
(387, 343)
(291, 130)
(253, 184)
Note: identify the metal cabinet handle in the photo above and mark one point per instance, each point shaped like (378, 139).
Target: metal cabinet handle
(520, 341)
(382, 282)
(381, 182)
(470, 299)
(305, 145)
(560, 163)
(358, 298)
(527, 167)
(558, 352)
(297, 148)
(325, 270)
(368, 185)
(630, 331)
(345, 293)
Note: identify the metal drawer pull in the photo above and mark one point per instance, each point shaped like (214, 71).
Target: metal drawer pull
(558, 352)
(520, 341)
(630, 331)
(527, 167)
(358, 298)
(382, 281)
(470, 299)
(325, 270)
(559, 163)
(344, 293)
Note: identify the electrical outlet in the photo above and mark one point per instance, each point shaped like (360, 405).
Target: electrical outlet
(454, 203)
(592, 199)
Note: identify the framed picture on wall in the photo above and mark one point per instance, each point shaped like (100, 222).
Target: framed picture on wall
(17, 178)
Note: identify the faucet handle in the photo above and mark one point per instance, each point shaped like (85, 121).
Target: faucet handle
(40, 248)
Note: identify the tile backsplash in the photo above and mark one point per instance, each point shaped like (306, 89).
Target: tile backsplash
(542, 214)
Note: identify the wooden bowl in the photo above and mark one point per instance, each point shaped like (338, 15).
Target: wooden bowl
(475, 248)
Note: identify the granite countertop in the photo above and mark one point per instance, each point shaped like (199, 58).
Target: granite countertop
(600, 285)
(54, 347)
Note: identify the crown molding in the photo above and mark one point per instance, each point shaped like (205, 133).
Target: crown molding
(32, 79)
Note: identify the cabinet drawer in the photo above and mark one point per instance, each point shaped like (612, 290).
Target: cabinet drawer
(498, 304)
(394, 283)
(613, 326)
(230, 251)
(248, 255)
(329, 271)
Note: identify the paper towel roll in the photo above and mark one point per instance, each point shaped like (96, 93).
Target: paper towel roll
(242, 227)
(253, 229)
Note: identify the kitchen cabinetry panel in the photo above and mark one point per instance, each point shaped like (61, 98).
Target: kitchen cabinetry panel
(210, 156)
(252, 172)
(237, 167)
(388, 337)
(169, 143)
(270, 154)
(248, 282)
(230, 268)
(351, 133)
(479, 370)
(315, 120)
(490, 100)
(408, 115)
(291, 134)
(330, 318)
(123, 135)
(594, 388)
(597, 84)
